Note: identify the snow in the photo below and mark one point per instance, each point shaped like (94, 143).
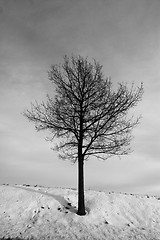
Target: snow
(34, 212)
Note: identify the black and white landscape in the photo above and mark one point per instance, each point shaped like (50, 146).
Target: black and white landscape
(123, 36)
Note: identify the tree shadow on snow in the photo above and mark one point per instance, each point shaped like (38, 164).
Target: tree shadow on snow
(68, 206)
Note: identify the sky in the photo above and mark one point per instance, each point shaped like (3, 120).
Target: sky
(124, 36)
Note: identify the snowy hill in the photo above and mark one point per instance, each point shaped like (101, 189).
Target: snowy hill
(33, 212)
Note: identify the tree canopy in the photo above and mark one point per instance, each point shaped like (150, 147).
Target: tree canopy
(86, 106)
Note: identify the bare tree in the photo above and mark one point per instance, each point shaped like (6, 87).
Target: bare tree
(87, 115)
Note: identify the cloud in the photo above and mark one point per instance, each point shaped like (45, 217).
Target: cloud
(122, 35)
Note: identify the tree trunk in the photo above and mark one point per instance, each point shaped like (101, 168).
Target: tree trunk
(81, 205)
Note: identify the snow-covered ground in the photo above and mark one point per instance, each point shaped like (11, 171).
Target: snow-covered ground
(33, 212)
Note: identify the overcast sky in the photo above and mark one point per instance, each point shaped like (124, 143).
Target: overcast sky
(124, 36)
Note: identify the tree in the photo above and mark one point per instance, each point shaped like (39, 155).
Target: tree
(87, 115)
